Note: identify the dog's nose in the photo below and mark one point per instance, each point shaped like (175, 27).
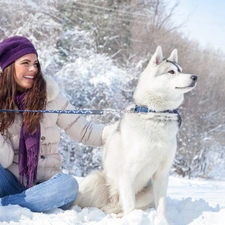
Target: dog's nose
(194, 78)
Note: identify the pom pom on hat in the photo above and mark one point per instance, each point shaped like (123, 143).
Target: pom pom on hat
(13, 48)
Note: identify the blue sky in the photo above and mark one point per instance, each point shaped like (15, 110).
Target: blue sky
(206, 21)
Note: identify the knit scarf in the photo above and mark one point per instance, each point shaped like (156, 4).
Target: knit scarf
(28, 149)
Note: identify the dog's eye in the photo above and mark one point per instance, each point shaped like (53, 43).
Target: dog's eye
(171, 71)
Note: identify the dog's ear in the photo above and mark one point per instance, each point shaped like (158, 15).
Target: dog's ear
(174, 56)
(157, 56)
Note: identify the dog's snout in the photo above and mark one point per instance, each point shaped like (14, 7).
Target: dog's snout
(194, 78)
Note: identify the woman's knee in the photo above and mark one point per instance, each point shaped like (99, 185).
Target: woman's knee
(71, 192)
(69, 184)
(59, 191)
(72, 183)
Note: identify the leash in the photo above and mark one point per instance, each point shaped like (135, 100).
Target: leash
(137, 109)
(75, 111)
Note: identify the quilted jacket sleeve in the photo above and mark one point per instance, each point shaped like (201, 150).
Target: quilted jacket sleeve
(6, 152)
(77, 127)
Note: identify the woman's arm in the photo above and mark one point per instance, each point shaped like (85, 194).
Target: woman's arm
(77, 127)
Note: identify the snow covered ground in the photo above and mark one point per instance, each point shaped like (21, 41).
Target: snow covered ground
(194, 202)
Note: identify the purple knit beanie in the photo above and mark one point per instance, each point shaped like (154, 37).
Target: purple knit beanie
(13, 48)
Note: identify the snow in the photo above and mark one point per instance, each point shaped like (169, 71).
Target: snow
(194, 202)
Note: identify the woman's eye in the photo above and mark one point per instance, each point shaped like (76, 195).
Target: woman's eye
(171, 71)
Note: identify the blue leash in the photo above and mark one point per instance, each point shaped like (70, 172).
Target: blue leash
(137, 109)
(75, 111)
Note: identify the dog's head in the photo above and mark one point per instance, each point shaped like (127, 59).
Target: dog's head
(162, 83)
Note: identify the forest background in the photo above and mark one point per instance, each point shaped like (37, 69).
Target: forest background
(96, 51)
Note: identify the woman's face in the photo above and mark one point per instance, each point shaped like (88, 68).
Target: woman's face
(26, 69)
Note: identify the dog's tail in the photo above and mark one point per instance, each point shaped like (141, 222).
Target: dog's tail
(93, 191)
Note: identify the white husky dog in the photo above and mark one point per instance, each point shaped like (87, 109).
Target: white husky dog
(139, 150)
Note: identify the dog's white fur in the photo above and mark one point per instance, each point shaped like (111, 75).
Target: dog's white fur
(140, 148)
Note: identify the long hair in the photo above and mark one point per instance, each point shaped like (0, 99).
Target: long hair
(35, 99)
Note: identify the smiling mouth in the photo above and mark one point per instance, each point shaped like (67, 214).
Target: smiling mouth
(183, 87)
(29, 77)
(190, 86)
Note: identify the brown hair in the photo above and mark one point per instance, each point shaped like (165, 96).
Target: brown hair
(35, 99)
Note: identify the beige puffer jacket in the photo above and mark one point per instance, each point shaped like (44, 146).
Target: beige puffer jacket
(76, 126)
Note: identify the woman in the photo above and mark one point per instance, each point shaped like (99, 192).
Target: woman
(30, 164)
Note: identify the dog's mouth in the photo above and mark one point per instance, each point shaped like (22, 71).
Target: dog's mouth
(190, 86)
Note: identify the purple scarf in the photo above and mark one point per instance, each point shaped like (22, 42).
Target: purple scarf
(28, 149)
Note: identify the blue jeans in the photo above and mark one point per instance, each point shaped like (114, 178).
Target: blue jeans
(58, 192)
